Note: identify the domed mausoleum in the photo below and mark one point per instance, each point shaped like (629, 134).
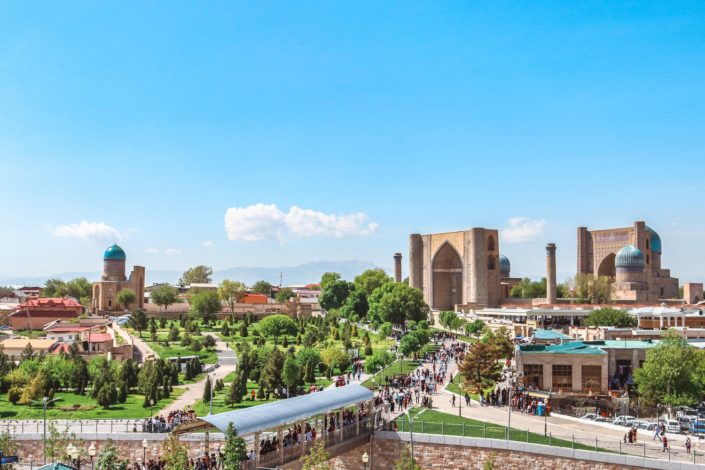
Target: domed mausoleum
(631, 258)
(114, 280)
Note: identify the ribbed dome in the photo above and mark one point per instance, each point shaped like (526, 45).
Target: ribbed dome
(114, 252)
(504, 265)
(655, 240)
(629, 257)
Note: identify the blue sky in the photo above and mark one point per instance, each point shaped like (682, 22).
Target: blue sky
(149, 120)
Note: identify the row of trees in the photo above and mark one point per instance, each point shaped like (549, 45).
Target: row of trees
(372, 295)
(452, 321)
(481, 368)
(584, 288)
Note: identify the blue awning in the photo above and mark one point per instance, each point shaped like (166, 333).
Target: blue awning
(291, 410)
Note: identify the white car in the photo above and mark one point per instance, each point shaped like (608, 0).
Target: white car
(624, 420)
(590, 416)
(673, 426)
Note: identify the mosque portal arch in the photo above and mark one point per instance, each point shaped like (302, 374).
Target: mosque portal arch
(607, 267)
(447, 284)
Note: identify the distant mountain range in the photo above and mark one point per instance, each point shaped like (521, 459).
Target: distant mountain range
(301, 274)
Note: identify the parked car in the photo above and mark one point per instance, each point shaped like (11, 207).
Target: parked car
(602, 419)
(684, 422)
(624, 420)
(673, 426)
(590, 416)
(648, 426)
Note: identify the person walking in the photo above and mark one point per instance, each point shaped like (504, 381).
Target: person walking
(452, 401)
(664, 440)
(687, 445)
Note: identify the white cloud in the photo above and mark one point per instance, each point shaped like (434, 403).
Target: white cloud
(152, 251)
(172, 252)
(522, 229)
(261, 221)
(208, 244)
(96, 231)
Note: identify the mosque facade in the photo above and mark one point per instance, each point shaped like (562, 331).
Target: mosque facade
(113, 280)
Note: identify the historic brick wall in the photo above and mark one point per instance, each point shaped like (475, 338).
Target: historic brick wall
(385, 453)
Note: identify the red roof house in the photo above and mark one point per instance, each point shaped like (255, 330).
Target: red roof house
(36, 312)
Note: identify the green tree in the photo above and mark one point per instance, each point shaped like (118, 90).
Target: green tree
(475, 327)
(80, 288)
(406, 461)
(446, 318)
(174, 453)
(271, 376)
(409, 344)
(378, 361)
(235, 449)
(277, 325)
(138, 321)
(54, 288)
(355, 304)
(370, 280)
(262, 287)
(398, 303)
(291, 374)
(333, 357)
(164, 296)
(480, 367)
(196, 275)
(232, 292)
(670, 373)
(107, 395)
(206, 304)
(109, 458)
(317, 458)
(126, 297)
(236, 389)
(207, 391)
(327, 278)
(308, 359)
(608, 316)
(335, 294)
(284, 295)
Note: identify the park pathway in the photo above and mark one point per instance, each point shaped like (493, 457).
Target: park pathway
(194, 392)
(141, 349)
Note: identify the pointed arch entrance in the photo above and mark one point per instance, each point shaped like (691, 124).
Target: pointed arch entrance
(447, 269)
(607, 267)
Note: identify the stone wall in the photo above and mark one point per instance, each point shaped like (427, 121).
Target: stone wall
(455, 453)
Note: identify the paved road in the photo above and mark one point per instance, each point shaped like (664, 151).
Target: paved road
(141, 349)
(194, 392)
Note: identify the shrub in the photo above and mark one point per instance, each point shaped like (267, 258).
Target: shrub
(14, 394)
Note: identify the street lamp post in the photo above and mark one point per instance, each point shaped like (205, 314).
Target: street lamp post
(210, 412)
(411, 432)
(145, 444)
(365, 459)
(91, 453)
(45, 402)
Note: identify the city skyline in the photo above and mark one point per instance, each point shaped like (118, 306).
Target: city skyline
(241, 135)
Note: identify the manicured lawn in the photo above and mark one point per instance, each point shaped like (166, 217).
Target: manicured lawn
(436, 422)
(207, 356)
(131, 409)
(395, 368)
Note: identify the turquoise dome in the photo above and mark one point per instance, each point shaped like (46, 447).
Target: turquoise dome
(114, 252)
(504, 265)
(655, 240)
(629, 257)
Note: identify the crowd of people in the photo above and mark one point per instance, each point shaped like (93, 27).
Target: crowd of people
(159, 423)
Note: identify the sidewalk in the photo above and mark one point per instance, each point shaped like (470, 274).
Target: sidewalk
(141, 349)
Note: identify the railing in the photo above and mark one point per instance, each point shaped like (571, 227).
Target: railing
(274, 458)
(79, 426)
(643, 449)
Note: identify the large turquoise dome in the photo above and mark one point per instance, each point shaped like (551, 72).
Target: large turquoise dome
(114, 252)
(655, 240)
(504, 265)
(629, 257)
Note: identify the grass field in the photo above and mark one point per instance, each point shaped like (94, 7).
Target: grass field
(395, 368)
(131, 409)
(436, 422)
(207, 356)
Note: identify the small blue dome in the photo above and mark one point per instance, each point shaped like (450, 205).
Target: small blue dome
(629, 257)
(504, 265)
(114, 252)
(654, 239)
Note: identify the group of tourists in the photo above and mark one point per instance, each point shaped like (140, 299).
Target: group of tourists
(160, 424)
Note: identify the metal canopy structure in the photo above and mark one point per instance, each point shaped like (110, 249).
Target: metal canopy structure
(291, 410)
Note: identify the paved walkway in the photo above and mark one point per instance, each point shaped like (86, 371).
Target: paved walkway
(141, 349)
(194, 392)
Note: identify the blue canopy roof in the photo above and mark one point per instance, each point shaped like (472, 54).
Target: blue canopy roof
(544, 334)
(291, 410)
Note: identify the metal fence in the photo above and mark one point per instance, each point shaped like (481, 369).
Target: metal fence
(644, 449)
